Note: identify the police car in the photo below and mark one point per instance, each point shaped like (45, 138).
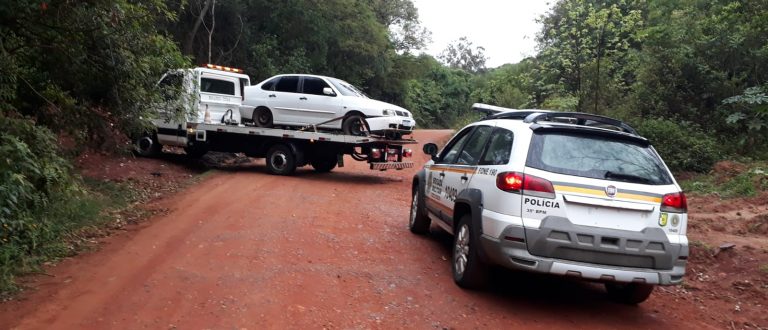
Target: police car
(562, 193)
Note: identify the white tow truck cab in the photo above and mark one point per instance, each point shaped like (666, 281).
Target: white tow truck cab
(210, 94)
(201, 113)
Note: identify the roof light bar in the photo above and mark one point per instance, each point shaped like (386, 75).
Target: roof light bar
(223, 68)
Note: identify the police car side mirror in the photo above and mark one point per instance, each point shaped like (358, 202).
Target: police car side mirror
(430, 149)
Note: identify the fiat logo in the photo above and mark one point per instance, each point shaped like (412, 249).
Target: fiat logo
(610, 191)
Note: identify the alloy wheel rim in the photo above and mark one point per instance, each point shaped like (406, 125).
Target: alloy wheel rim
(461, 250)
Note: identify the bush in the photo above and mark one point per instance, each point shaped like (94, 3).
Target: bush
(41, 202)
(684, 146)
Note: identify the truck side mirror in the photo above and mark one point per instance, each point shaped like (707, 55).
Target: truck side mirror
(430, 149)
(328, 91)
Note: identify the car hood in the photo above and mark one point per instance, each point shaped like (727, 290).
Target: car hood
(370, 105)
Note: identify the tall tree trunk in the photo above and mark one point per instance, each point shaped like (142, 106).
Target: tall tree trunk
(213, 26)
(188, 44)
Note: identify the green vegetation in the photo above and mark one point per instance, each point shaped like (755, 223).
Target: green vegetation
(690, 74)
(730, 185)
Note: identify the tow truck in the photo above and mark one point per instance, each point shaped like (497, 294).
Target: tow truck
(215, 94)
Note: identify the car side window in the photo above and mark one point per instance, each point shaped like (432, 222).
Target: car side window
(450, 152)
(270, 85)
(289, 84)
(314, 86)
(499, 148)
(472, 151)
(210, 85)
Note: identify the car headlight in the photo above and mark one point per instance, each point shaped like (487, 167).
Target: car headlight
(388, 112)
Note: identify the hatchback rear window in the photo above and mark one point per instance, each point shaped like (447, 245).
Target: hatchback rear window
(597, 157)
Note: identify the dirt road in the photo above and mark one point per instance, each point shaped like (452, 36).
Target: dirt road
(244, 249)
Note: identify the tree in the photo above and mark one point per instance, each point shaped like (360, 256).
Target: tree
(462, 54)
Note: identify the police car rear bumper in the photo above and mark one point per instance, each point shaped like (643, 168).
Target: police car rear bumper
(507, 243)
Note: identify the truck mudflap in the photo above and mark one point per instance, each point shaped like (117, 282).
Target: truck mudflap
(390, 165)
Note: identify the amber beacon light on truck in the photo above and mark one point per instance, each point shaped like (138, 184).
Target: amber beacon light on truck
(223, 68)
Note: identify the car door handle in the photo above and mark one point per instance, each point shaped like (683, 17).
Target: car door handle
(303, 98)
(272, 95)
(464, 178)
(442, 174)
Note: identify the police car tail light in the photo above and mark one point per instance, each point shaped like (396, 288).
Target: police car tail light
(536, 186)
(674, 202)
(509, 181)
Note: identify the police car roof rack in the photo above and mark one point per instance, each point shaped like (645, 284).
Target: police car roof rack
(496, 112)
(580, 118)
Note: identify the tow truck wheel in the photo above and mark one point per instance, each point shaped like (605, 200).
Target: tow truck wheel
(469, 271)
(419, 221)
(280, 160)
(262, 117)
(196, 151)
(323, 164)
(147, 146)
(629, 293)
(354, 125)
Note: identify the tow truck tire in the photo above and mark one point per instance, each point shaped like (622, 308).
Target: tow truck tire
(280, 160)
(353, 125)
(262, 117)
(418, 222)
(468, 269)
(147, 146)
(629, 293)
(196, 151)
(323, 164)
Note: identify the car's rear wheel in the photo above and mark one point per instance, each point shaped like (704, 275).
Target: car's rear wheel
(629, 293)
(280, 160)
(419, 221)
(469, 271)
(354, 125)
(262, 117)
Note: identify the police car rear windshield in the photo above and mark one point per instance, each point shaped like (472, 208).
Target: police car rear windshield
(597, 157)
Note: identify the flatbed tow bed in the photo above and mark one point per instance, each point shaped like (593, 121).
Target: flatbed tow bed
(287, 149)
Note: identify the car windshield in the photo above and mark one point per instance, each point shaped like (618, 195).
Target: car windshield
(347, 89)
(597, 157)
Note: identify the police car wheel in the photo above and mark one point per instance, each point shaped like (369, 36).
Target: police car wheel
(469, 271)
(418, 222)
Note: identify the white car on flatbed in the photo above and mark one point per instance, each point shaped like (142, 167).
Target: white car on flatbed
(202, 114)
(561, 193)
(330, 103)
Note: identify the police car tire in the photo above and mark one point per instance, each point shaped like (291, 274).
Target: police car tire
(418, 223)
(629, 293)
(476, 271)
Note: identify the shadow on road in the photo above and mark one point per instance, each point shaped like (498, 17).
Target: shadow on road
(547, 296)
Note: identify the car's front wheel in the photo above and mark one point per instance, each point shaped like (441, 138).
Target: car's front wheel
(629, 293)
(469, 271)
(354, 125)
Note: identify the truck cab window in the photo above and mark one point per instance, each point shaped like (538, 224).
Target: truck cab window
(209, 85)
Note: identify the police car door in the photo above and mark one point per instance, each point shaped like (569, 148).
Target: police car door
(436, 175)
(458, 166)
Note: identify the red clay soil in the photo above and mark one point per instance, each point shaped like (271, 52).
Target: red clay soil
(245, 249)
